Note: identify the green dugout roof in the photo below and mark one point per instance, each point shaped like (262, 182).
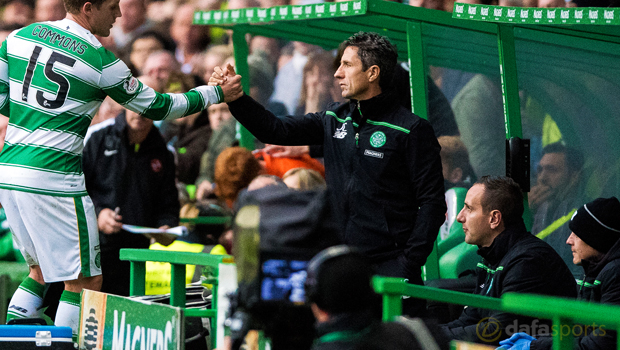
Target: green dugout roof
(564, 62)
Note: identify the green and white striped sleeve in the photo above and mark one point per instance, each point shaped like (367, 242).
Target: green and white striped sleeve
(4, 81)
(122, 87)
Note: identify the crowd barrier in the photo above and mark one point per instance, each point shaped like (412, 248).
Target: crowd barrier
(178, 262)
(564, 313)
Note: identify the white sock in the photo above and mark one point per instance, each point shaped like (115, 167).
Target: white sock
(68, 313)
(26, 301)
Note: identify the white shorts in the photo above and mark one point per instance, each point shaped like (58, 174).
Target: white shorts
(57, 233)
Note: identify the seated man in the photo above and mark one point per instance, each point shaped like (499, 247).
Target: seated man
(513, 259)
(595, 243)
(558, 192)
(338, 287)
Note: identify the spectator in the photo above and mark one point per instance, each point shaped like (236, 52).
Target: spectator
(594, 242)
(303, 179)
(19, 12)
(287, 84)
(130, 177)
(557, 194)
(213, 57)
(457, 172)
(479, 113)
(133, 22)
(278, 166)
(241, 4)
(190, 39)
(224, 130)
(368, 180)
(261, 81)
(189, 136)
(265, 180)
(317, 88)
(145, 44)
(272, 3)
(49, 10)
(513, 259)
(429, 4)
(270, 46)
(552, 3)
(235, 168)
(160, 65)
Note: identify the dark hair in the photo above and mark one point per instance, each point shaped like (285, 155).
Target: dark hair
(74, 6)
(574, 158)
(504, 194)
(340, 282)
(374, 49)
(9, 27)
(165, 41)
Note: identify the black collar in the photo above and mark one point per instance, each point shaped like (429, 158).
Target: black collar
(376, 105)
(593, 268)
(503, 243)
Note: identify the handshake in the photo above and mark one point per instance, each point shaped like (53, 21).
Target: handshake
(229, 81)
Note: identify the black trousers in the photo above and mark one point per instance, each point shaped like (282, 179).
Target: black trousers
(412, 307)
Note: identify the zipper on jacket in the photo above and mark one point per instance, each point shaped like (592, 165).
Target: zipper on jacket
(357, 134)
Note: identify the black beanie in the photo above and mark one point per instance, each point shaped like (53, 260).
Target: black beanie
(598, 223)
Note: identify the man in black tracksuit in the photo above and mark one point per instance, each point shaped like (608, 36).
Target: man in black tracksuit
(513, 260)
(595, 243)
(135, 174)
(382, 162)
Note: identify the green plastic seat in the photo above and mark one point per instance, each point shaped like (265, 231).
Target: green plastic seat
(457, 260)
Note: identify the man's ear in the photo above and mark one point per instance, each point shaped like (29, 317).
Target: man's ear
(87, 8)
(495, 219)
(373, 73)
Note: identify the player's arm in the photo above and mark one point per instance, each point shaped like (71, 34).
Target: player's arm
(122, 87)
(264, 125)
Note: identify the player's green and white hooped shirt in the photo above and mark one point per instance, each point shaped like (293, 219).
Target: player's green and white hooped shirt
(53, 78)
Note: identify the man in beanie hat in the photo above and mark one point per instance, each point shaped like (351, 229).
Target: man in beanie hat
(595, 245)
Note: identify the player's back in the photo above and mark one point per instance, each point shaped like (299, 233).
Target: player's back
(54, 71)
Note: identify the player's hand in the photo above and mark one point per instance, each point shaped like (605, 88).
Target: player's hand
(286, 151)
(538, 195)
(229, 81)
(220, 75)
(109, 221)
